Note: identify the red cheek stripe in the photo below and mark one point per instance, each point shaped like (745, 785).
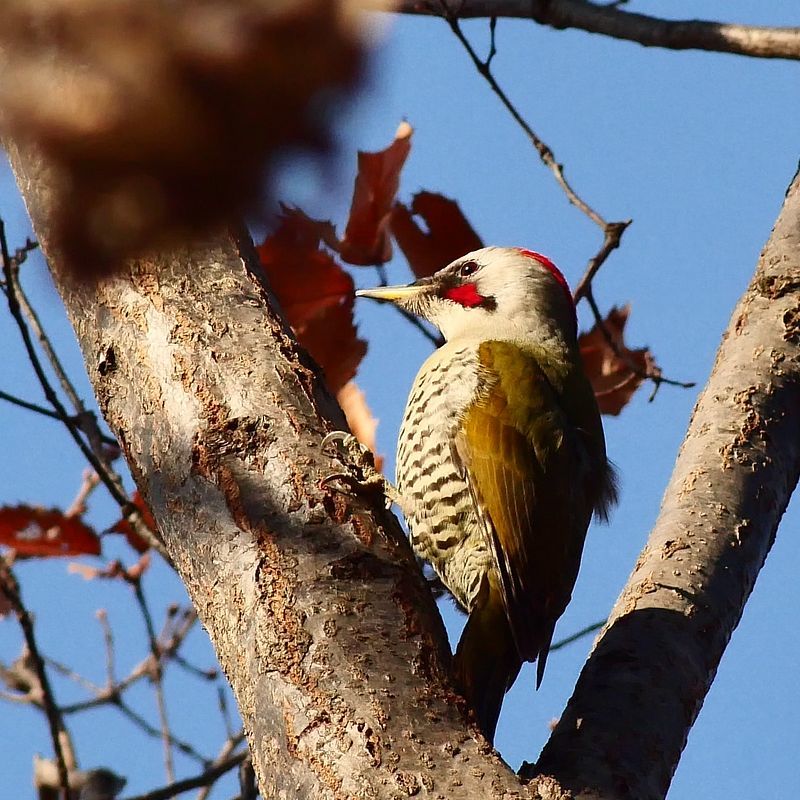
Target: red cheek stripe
(465, 295)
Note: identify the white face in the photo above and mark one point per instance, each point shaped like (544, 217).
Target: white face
(498, 291)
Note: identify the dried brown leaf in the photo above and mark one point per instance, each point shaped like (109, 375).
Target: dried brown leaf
(366, 237)
(448, 236)
(36, 531)
(614, 377)
(316, 295)
(124, 527)
(359, 417)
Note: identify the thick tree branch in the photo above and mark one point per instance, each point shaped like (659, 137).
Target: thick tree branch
(645, 682)
(611, 20)
(317, 610)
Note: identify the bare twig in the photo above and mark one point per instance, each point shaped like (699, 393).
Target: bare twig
(108, 642)
(168, 649)
(205, 778)
(230, 745)
(612, 234)
(86, 420)
(545, 152)
(44, 340)
(589, 629)
(156, 675)
(70, 673)
(433, 338)
(612, 231)
(179, 744)
(108, 476)
(46, 412)
(91, 480)
(610, 20)
(61, 745)
(247, 781)
(222, 704)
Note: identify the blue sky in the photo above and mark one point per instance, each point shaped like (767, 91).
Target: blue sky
(698, 149)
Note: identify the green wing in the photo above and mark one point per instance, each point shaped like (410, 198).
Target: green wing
(530, 472)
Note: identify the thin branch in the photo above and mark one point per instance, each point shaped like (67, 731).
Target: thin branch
(247, 781)
(108, 642)
(610, 20)
(595, 626)
(86, 420)
(46, 412)
(44, 341)
(10, 588)
(231, 743)
(70, 673)
(612, 231)
(222, 703)
(544, 150)
(208, 776)
(78, 507)
(179, 744)
(612, 234)
(113, 692)
(108, 476)
(166, 736)
(20, 699)
(435, 339)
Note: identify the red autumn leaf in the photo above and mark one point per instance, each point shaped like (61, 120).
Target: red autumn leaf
(614, 377)
(449, 235)
(359, 417)
(331, 339)
(316, 295)
(35, 531)
(305, 279)
(366, 237)
(123, 526)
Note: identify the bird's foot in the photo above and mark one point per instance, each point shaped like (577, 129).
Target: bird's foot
(360, 473)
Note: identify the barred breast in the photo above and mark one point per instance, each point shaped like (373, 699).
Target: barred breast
(443, 524)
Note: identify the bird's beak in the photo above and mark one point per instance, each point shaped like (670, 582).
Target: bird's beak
(398, 294)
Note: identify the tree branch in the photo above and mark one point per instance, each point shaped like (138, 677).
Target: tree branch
(319, 615)
(46, 412)
(610, 20)
(62, 746)
(205, 778)
(645, 682)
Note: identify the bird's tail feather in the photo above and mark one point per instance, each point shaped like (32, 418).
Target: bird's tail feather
(487, 661)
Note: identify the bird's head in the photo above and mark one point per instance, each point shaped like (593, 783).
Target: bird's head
(495, 292)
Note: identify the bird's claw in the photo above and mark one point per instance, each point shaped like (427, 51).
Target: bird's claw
(361, 473)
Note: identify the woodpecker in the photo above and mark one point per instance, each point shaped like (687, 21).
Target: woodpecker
(501, 459)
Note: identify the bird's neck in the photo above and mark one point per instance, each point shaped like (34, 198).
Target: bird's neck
(555, 353)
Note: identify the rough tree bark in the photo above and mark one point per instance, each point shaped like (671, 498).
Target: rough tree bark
(317, 612)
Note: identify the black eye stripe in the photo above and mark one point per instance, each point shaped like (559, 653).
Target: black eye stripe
(467, 268)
